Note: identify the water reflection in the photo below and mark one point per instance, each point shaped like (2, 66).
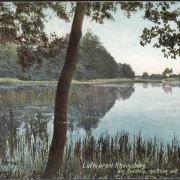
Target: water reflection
(167, 88)
(24, 124)
(145, 85)
(11, 132)
(32, 118)
(98, 100)
(156, 84)
(23, 149)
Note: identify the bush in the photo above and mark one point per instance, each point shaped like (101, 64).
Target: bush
(145, 75)
(156, 76)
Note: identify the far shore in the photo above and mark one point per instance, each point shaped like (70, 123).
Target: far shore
(172, 81)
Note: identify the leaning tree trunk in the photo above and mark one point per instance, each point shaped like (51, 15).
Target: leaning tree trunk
(56, 152)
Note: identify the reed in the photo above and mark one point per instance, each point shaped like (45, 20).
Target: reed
(84, 157)
(37, 95)
(25, 154)
(28, 159)
(91, 157)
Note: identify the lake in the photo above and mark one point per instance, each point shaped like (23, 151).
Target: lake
(99, 118)
(150, 108)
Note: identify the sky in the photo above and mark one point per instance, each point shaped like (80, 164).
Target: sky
(121, 39)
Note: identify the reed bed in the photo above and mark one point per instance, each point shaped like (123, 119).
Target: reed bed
(17, 81)
(27, 159)
(101, 158)
(37, 95)
(90, 157)
(24, 154)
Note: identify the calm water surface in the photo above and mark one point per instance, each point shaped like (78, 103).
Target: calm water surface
(152, 109)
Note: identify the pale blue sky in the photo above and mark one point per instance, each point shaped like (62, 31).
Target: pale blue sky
(121, 39)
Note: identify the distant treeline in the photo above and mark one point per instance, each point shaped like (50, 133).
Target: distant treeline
(94, 63)
(145, 75)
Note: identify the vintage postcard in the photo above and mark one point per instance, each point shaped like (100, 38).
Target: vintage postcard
(89, 90)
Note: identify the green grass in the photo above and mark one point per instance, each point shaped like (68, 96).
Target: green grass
(95, 81)
(119, 80)
(173, 79)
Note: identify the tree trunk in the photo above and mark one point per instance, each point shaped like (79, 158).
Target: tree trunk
(56, 152)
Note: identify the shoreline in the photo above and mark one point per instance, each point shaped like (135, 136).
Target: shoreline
(6, 81)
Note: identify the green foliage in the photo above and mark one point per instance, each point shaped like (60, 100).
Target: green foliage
(23, 23)
(94, 62)
(126, 71)
(156, 76)
(8, 57)
(174, 76)
(165, 15)
(145, 75)
(162, 14)
(99, 11)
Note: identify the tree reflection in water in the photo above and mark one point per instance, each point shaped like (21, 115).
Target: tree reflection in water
(167, 86)
(145, 85)
(98, 100)
(23, 126)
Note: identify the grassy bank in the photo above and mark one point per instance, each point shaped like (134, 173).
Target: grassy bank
(173, 79)
(95, 81)
(120, 80)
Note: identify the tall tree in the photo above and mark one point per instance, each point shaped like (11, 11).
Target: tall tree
(60, 120)
(23, 23)
(126, 71)
(145, 75)
(95, 59)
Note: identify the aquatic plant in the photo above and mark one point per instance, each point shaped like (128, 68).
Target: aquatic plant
(36, 95)
(92, 157)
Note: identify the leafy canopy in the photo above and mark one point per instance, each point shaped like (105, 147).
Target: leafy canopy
(94, 62)
(23, 24)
